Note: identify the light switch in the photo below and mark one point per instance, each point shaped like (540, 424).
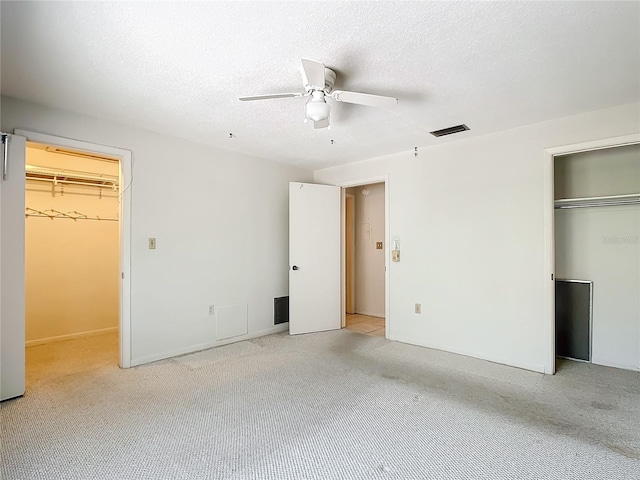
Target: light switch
(395, 255)
(379, 245)
(152, 244)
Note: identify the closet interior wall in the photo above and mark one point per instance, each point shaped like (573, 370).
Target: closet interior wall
(72, 266)
(602, 244)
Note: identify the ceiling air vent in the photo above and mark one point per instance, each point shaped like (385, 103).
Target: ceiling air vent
(449, 131)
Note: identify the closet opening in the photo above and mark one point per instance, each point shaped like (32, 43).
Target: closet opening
(72, 260)
(597, 256)
(365, 274)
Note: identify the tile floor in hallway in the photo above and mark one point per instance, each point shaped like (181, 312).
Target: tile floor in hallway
(365, 324)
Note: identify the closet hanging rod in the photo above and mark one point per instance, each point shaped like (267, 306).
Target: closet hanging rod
(71, 218)
(605, 201)
(74, 215)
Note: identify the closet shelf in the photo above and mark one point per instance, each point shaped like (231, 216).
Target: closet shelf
(72, 177)
(606, 201)
(74, 215)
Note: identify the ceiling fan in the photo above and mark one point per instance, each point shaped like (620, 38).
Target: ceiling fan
(318, 82)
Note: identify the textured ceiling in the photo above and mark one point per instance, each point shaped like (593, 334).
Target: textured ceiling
(180, 67)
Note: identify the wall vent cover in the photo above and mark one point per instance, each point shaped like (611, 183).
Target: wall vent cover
(449, 130)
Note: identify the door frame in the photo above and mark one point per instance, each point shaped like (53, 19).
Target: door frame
(126, 185)
(350, 235)
(357, 183)
(549, 233)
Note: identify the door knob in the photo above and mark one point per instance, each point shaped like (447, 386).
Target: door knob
(295, 267)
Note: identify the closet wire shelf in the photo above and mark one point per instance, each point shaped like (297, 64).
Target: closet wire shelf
(71, 177)
(73, 215)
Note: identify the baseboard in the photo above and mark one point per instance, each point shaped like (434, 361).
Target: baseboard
(283, 327)
(525, 366)
(369, 314)
(71, 336)
(621, 366)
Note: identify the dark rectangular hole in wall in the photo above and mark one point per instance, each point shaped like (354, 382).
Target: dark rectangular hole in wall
(573, 319)
(280, 310)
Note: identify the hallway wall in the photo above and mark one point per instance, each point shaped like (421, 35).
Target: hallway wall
(369, 261)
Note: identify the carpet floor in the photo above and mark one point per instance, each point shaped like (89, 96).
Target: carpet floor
(332, 405)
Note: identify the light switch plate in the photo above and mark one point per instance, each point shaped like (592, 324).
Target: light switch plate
(152, 244)
(395, 255)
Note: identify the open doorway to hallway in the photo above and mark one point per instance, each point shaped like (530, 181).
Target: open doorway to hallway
(365, 258)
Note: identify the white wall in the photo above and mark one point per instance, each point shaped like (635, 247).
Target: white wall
(221, 223)
(602, 244)
(72, 266)
(470, 218)
(369, 261)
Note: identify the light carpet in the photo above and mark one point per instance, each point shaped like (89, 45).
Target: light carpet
(333, 405)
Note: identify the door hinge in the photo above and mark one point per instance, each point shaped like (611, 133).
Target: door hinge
(552, 276)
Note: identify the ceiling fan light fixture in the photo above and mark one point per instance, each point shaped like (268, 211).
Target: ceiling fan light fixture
(317, 109)
(318, 82)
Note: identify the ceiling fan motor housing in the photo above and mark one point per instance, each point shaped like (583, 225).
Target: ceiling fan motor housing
(329, 81)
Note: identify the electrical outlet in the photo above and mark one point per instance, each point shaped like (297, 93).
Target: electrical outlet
(152, 244)
(212, 309)
(418, 308)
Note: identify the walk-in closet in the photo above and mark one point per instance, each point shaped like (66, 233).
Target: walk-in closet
(72, 250)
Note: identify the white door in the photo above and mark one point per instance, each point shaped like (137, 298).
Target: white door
(314, 258)
(12, 186)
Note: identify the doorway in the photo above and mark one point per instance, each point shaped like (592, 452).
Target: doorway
(72, 253)
(593, 252)
(365, 258)
(125, 187)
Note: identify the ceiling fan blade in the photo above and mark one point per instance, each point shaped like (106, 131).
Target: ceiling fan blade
(322, 123)
(365, 99)
(314, 73)
(266, 97)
